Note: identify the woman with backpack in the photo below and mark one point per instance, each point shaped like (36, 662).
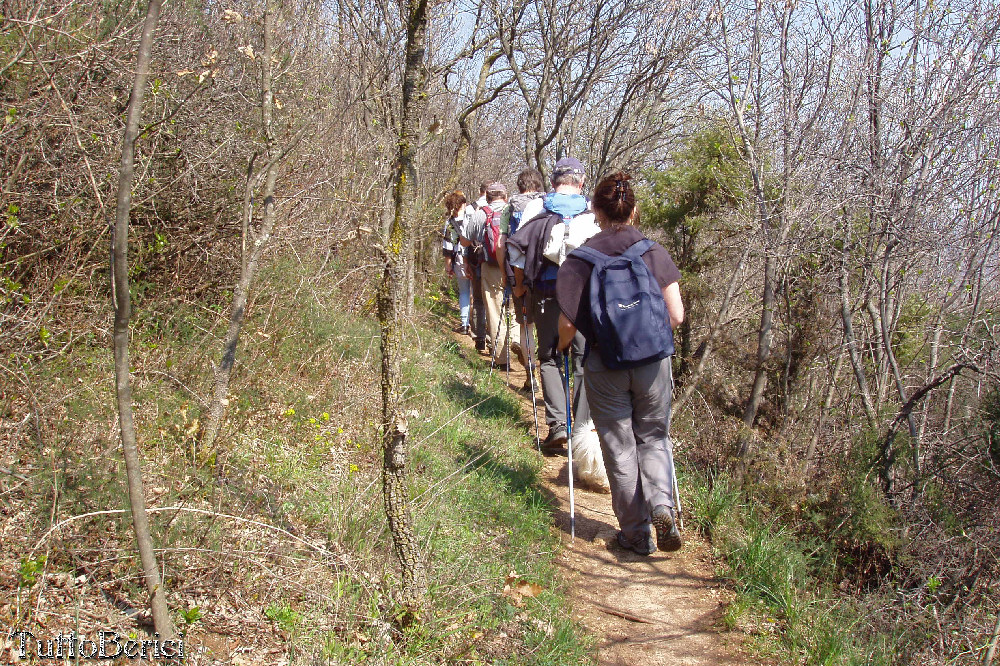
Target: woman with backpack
(454, 261)
(620, 291)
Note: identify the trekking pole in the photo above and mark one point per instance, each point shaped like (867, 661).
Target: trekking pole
(677, 495)
(569, 447)
(531, 383)
(673, 466)
(506, 298)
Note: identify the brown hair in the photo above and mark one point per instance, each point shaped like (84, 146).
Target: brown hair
(453, 200)
(530, 180)
(614, 200)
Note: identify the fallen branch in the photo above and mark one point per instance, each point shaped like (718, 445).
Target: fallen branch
(625, 616)
(204, 512)
(4, 470)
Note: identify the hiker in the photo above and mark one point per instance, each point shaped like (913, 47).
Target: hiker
(522, 207)
(473, 271)
(627, 374)
(454, 260)
(535, 252)
(482, 230)
(481, 201)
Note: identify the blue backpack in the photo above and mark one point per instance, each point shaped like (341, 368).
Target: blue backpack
(627, 310)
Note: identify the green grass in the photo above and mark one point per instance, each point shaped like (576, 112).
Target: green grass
(776, 574)
(300, 452)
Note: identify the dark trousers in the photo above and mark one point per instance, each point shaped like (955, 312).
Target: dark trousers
(545, 316)
(478, 321)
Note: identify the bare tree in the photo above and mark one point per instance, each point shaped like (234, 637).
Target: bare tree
(122, 306)
(557, 52)
(273, 156)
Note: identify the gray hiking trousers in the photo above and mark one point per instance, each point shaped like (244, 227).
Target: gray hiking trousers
(545, 317)
(631, 411)
(479, 307)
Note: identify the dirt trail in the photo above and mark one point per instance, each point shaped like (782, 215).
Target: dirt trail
(661, 610)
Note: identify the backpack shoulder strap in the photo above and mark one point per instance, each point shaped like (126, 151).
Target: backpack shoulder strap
(638, 249)
(590, 255)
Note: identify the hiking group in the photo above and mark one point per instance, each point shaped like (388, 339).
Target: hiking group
(600, 300)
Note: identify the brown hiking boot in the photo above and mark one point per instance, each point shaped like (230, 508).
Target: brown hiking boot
(668, 537)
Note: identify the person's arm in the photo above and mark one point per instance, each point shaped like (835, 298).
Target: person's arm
(675, 306)
(448, 265)
(566, 332)
(502, 250)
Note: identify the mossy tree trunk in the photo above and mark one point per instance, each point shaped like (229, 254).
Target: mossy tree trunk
(391, 305)
(123, 311)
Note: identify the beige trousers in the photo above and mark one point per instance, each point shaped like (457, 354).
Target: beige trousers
(493, 285)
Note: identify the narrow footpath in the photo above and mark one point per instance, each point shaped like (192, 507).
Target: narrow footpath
(661, 610)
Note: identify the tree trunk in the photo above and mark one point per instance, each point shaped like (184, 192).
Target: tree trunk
(879, 361)
(224, 371)
(890, 356)
(764, 337)
(123, 311)
(390, 306)
(411, 276)
(824, 409)
(988, 659)
(931, 369)
(465, 119)
(852, 347)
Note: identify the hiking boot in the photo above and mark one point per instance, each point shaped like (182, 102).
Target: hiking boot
(528, 386)
(668, 537)
(556, 440)
(515, 351)
(647, 548)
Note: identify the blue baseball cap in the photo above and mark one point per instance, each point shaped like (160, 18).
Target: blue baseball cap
(568, 166)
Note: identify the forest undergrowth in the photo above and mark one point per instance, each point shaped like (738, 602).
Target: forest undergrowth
(274, 545)
(825, 571)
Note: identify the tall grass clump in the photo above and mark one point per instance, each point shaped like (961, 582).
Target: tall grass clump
(776, 574)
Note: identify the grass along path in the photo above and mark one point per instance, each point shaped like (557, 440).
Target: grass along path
(662, 610)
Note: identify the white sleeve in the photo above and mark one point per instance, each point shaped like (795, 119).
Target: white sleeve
(515, 258)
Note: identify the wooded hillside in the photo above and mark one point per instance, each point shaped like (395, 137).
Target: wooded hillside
(824, 174)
